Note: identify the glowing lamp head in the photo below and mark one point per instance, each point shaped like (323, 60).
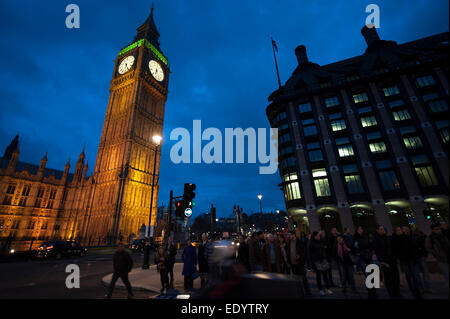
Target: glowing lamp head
(157, 139)
(259, 196)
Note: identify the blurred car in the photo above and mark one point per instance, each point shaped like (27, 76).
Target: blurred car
(60, 249)
(139, 244)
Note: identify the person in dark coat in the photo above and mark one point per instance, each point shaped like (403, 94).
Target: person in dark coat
(402, 252)
(189, 257)
(421, 268)
(255, 244)
(123, 263)
(172, 251)
(271, 253)
(203, 267)
(346, 264)
(438, 245)
(363, 255)
(318, 255)
(162, 265)
(296, 251)
(330, 243)
(383, 253)
(242, 256)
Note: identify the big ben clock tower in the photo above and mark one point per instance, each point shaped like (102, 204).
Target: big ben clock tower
(125, 170)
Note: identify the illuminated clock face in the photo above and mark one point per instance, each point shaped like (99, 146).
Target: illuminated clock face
(156, 70)
(126, 64)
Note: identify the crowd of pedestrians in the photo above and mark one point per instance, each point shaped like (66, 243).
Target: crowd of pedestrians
(403, 253)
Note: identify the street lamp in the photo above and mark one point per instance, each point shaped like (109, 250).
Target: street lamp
(157, 140)
(260, 203)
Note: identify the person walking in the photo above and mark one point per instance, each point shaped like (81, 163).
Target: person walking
(421, 268)
(189, 257)
(255, 251)
(285, 265)
(203, 267)
(383, 254)
(319, 262)
(162, 261)
(123, 263)
(437, 244)
(242, 256)
(402, 253)
(172, 251)
(330, 244)
(444, 228)
(296, 250)
(362, 255)
(271, 255)
(346, 264)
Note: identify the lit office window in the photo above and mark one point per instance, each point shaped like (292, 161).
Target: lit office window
(291, 187)
(426, 176)
(378, 147)
(358, 98)
(345, 150)
(354, 184)
(401, 115)
(425, 81)
(368, 121)
(412, 142)
(321, 184)
(338, 125)
(393, 90)
(424, 170)
(442, 127)
(305, 107)
(332, 101)
(292, 191)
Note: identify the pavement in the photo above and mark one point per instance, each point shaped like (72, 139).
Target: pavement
(149, 280)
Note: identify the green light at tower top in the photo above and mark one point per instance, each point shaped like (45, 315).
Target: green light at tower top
(148, 45)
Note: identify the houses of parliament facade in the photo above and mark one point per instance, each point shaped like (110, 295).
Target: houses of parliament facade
(39, 204)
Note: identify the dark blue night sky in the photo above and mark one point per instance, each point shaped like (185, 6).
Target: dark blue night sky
(55, 81)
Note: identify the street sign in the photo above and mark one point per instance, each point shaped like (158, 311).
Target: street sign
(188, 212)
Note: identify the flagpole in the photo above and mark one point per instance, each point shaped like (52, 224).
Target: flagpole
(276, 65)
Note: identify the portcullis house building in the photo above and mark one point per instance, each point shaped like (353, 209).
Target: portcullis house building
(364, 141)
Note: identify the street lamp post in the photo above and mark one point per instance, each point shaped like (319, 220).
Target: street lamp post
(260, 203)
(157, 140)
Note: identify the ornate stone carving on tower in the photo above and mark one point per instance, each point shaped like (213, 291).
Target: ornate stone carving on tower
(125, 160)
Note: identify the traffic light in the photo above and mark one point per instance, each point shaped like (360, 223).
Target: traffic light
(189, 195)
(179, 210)
(427, 213)
(295, 224)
